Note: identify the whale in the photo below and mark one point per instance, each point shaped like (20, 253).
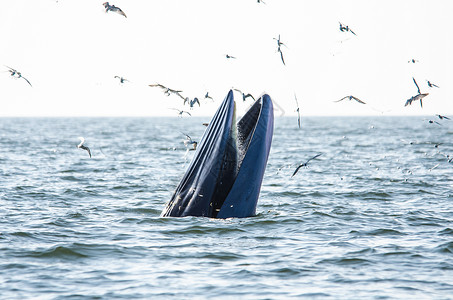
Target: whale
(223, 180)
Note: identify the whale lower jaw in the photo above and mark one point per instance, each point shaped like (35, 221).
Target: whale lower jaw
(224, 178)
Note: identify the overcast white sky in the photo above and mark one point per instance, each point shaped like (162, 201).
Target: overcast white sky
(71, 50)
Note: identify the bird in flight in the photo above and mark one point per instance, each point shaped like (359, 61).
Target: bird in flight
(305, 164)
(419, 96)
(191, 102)
(298, 113)
(351, 98)
(412, 61)
(279, 48)
(245, 96)
(229, 56)
(189, 142)
(113, 8)
(434, 122)
(430, 84)
(443, 117)
(346, 28)
(181, 112)
(260, 1)
(207, 96)
(122, 79)
(81, 146)
(16, 74)
(167, 91)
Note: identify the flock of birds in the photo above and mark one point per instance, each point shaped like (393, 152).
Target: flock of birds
(191, 102)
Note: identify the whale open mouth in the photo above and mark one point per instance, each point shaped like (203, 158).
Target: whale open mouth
(224, 178)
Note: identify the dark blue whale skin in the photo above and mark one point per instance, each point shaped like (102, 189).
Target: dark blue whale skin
(224, 177)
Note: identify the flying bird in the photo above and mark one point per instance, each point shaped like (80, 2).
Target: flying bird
(229, 56)
(167, 91)
(16, 74)
(81, 146)
(443, 117)
(351, 98)
(181, 112)
(434, 122)
(305, 164)
(260, 1)
(245, 96)
(430, 84)
(191, 102)
(189, 142)
(346, 29)
(298, 113)
(412, 61)
(279, 49)
(207, 96)
(113, 8)
(122, 79)
(419, 96)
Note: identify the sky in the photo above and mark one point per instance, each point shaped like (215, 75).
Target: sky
(71, 50)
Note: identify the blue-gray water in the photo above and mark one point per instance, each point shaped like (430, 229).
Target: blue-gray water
(372, 217)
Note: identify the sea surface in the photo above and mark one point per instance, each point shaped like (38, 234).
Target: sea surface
(371, 218)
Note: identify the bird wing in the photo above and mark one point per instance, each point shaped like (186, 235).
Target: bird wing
(358, 100)
(188, 137)
(298, 117)
(297, 169)
(317, 155)
(27, 80)
(187, 113)
(118, 10)
(179, 95)
(196, 101)
(418, 89)
(345, 97)
(158, 85)
(89, 151)
(11, 69)
(281, 55)
(352, 32)
(237, 90)
(409, 101)
(249, 95)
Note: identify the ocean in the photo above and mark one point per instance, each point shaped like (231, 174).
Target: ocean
(371, 218)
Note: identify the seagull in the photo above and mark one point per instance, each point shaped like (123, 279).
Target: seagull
(412, 61)
(181, 112)
(167, 91)
(346, 28)
(260, 1)
(17, 74)
(298, 113)
(432, 122)
(191, 102)
(305, 164)
(113, 8)
(443, 117)
(189, 141)
(207, 96)
(81, 146)
(419, 96)
(351, 98)
(122, 79)
(431, 84)
(279, 44)
(244, 96)
(229, 56)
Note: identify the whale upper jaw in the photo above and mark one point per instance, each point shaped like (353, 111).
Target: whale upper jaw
(224, 178)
